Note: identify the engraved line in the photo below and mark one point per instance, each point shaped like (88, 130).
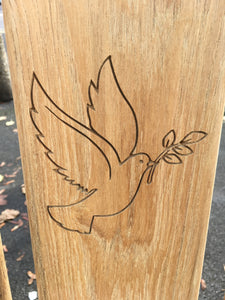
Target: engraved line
(78, 202)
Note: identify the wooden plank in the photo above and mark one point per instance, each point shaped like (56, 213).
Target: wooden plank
(119, 104)
(5, 292)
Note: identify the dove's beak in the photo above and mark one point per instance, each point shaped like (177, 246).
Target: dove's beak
(151, 163)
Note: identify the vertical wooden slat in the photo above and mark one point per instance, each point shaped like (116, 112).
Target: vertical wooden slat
(107, 94)
(5, 292)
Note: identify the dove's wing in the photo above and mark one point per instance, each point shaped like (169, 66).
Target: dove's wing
(58, 133)
(107, 99)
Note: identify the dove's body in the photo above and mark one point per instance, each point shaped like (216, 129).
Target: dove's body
(109, 200)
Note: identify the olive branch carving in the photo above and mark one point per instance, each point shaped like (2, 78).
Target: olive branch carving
(174, 151)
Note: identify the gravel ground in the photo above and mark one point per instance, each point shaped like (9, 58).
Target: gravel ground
(214, 262)
(17, 242)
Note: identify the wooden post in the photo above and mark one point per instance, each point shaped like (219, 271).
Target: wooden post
(119, 108)
(5, 292)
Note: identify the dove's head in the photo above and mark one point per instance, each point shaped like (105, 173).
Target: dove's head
(145, 164)
(142, 161)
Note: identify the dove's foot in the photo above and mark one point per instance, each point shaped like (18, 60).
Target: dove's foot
(72, 218)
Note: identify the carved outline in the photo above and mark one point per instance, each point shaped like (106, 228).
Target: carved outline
(170, 155)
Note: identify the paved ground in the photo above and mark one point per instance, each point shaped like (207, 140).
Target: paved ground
(214, 263)
(18, 241)
(19, 255)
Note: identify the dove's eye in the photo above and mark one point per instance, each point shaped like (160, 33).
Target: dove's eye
(141, 161)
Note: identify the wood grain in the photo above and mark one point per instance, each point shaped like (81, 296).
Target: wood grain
(5, 292)
(168, 62)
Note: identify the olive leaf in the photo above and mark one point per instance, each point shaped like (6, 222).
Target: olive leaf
(194, 137)
(172, 158)
(169, 139)
(183, 150)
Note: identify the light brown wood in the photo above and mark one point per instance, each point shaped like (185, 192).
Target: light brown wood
(5, 292)
(160, 64)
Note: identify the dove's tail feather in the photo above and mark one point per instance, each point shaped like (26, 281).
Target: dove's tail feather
(74, 217)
